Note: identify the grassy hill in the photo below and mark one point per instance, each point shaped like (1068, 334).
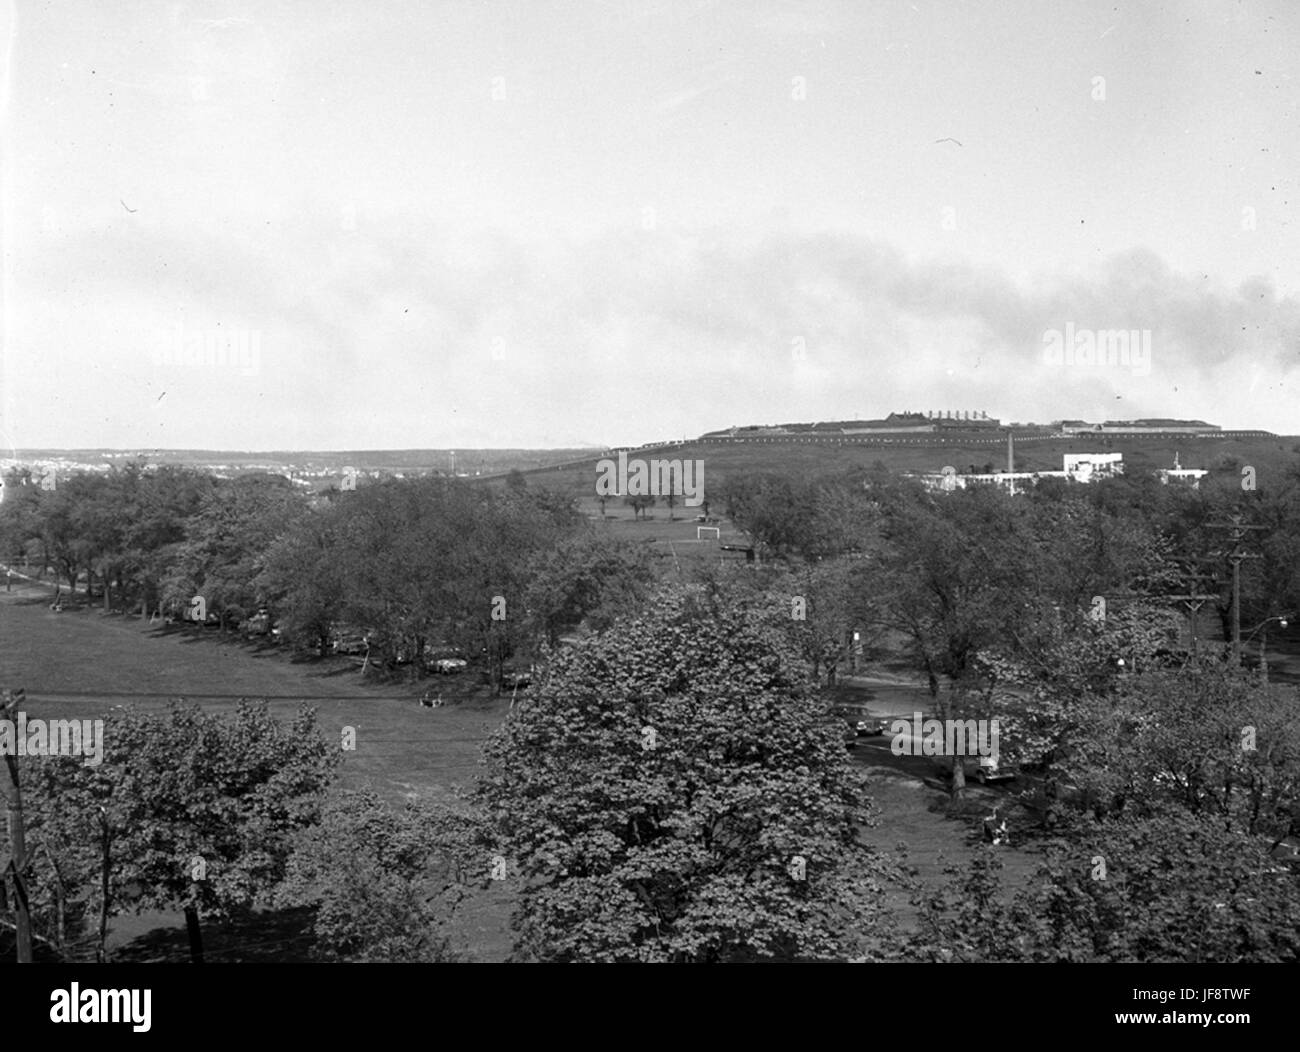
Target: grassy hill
(1269, 456)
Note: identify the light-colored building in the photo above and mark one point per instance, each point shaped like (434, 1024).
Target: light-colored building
(1187, 476)
(1083, 467)
(1076, 467)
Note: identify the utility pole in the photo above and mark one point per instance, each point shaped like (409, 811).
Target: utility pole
(18, 857)
(1237, 532)
(1194, 600)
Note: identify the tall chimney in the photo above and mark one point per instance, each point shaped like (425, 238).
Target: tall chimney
(1011, 452)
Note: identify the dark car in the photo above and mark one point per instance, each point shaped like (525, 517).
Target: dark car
(989, 770)
(345, 639)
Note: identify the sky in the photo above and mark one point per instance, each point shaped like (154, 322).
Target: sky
(357, 225)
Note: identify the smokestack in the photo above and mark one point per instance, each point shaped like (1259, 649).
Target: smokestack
(1011, 452)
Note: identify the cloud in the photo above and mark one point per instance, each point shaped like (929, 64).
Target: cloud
(407, 333)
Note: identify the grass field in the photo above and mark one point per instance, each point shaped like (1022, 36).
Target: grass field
(80, 662)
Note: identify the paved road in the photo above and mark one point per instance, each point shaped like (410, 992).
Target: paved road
(885, 697)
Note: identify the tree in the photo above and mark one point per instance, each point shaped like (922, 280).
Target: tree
(639, 503)
(1056, 675)
(226, 544)
(302, 577)
(162, 501)
(1164, 887)
(1207, 738)
(823, 601)
(421, 561)
(673, 792)
(20, 514)
(383, 884)
(777, 512)
(586, 577)
(61, 533)
(188, 809)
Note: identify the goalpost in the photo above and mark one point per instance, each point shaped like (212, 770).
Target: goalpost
(701, 530)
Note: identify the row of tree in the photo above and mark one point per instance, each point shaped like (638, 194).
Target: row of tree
(413, 563)
(1078, 540)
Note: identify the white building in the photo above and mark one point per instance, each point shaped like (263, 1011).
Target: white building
(1178, 473)
(1075, 467)
(1083, 467)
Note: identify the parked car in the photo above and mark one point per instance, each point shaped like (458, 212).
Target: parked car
(986, 770)
(258, 625)
(516, 679)
(347, 640)
(989, 770)
(864, 726)
(448, 665)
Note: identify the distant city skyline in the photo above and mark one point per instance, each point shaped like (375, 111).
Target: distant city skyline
(539, 224)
